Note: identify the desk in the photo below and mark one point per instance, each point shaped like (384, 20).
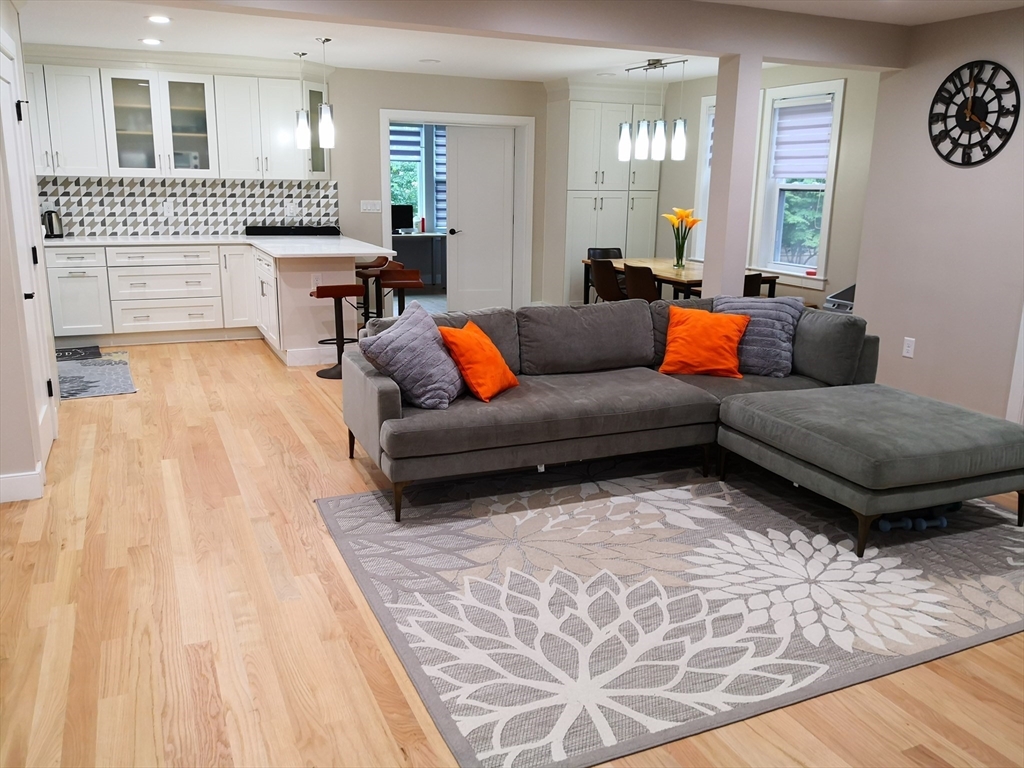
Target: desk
(425, 251)
(690, 276)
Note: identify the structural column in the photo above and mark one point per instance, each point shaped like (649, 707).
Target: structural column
(733, 171)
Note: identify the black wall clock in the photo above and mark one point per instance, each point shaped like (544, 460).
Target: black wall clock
(974, 113)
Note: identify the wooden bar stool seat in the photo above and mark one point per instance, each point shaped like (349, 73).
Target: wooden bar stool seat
(339, 293)
(368, 273)
(398, 280)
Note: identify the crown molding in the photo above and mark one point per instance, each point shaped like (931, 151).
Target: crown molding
(610, 93)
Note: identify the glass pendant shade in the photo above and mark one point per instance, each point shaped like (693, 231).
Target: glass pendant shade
(625, 142)
(658, 141)
(679, 139)
(642, 147)
(302, 131)
(327, 126)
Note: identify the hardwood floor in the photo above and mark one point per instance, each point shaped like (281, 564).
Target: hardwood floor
(175, 599)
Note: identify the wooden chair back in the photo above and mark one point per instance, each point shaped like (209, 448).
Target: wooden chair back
(606, 280)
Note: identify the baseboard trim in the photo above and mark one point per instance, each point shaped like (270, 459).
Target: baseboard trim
(159, 337)
(319, 355)
(23, 485)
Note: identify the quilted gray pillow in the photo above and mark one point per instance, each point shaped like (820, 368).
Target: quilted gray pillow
(766, 348)
(413, 354)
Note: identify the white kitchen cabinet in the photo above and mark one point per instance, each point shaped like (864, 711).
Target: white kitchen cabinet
(38, 120)
(74, 109)
(646, 174)
(279, 100)
(267, 314)
(594, 146)
(614, 173)
(239, 136)
(592, 220)
(79, 301)
(319, 158)
(202, 280)
(238, 285)
(612, 211)
(166, 315)
(641, 224)
(160, 123)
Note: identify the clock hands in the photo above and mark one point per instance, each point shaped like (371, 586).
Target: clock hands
(970, 99)
(980, 122)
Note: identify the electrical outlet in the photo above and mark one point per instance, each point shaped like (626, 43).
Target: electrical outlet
(317, 280)
(168, 208)
(369, 206)
(908, 347)
(291, 209)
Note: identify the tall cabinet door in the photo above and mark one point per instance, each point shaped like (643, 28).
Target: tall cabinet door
(645, 174)
(134, 131)
(584, 145)
(612, 210)
(641, 224)
(75, 110)
(279, 100)
(238, 127)
(190, 130)
(38, 120)
(319, 158)
(614, 172)
(237, 281)
(580, 234)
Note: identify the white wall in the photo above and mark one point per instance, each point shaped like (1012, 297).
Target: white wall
(942, 251)
(678, 180)
(359, 95)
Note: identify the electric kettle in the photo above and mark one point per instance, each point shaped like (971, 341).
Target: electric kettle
(52, 224)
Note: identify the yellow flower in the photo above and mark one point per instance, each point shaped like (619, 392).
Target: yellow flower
(673, 220)
(683, 213)
(691, 222)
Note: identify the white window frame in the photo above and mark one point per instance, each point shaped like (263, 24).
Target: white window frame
(766, 201)
(703, 188)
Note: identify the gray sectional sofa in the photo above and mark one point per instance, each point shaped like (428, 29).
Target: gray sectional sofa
(588, 388)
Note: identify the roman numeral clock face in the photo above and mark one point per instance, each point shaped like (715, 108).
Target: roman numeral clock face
(974, 113)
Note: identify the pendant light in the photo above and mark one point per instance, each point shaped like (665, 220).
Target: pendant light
(625, 135)
(679, 125)
(658, 141)
(642, 147)
(302, 131)
(326, 110)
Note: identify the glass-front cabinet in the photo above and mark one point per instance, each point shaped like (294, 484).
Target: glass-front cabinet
(160, 124)
(319, 158)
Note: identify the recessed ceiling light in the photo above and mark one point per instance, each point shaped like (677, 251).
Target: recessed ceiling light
(159, 19)
(606, 74)
(150, 41)
(430, 61)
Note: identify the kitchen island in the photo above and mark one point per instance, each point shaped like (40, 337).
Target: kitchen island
(169, 288)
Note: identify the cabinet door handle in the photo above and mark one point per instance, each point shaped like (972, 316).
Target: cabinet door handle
(160, 163)
(225, 258)
(257, 163)
(140, 317)
(192, 255)
(46, 158)
(130, 284)
(197, 314)
(602, 204)
(75, 258)
(631, 203)
(170, 165)
(78, 273)
(602, 177)
(193, 282)
(136, 256)
(263, 288)
(56, 156)
(266, 163)
(595, 203)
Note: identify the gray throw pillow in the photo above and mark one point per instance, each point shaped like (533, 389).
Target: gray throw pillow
(413, 354)
(827, 346)
(766, 348)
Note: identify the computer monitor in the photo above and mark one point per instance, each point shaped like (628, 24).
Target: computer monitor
(401, 217)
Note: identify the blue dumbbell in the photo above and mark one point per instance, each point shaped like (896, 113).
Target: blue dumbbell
(920, 524)
(887, 525)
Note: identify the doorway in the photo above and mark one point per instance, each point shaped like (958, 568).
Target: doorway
(491, 264)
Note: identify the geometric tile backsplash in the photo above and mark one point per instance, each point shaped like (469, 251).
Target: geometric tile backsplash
(93, 206)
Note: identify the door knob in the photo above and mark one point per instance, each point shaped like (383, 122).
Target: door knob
(454, 231)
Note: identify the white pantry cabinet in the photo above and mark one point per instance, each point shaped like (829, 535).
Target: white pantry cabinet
(594, 146)
(238, 285)
(641, 223)
(74, 110)
(646, 174)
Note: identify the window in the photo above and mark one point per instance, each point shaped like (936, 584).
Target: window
(704, 147)
(419, 171)
(794, 190)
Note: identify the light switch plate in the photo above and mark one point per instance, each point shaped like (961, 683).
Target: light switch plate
(908, 346)
(369, 206)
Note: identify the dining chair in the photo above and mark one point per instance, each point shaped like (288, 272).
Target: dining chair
(640, 283)
(594, 254)
(606, 280)
(751, 286)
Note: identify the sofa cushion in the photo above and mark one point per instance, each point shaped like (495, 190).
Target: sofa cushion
(554, 407)
(412, 353)
(766, 348)
(498, 323)
(659, 320)
(591, 337)
(827, 346)
(878, 437)
(722, 387)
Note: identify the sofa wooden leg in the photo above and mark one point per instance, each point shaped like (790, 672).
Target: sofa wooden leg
(1020, 507)
(398, 488)
(723, 454)
(863, 527)
(351, 445)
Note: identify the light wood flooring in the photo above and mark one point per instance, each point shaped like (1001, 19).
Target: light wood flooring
(175, 599)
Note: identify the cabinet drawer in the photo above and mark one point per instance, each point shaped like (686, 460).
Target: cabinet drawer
(164, 282)
(265, 265)
(166, 315)
(164, 255)
(75, 257)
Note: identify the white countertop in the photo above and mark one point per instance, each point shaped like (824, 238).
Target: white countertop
(289, 247)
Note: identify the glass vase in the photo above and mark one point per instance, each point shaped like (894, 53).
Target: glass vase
(680, 255)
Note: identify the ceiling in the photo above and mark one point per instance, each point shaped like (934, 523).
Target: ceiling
(119, 25)
(904, 12)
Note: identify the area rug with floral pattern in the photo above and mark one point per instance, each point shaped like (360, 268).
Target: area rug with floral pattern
(575, 616)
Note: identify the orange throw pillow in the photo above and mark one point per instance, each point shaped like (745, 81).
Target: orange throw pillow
(703, 342)
(479, 361)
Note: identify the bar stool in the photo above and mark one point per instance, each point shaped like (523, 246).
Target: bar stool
(339, 293)
(366, 273)
(395, 278)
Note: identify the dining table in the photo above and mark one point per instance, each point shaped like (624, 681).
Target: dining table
(682, 279)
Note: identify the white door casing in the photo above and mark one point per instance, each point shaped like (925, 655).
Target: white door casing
(481, 190)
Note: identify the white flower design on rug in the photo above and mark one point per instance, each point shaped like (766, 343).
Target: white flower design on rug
(536, 671)
(823, 588)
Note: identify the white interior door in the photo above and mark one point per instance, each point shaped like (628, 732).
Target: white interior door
(481, 185)
(26, 233)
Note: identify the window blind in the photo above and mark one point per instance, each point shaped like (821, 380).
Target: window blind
(406, 143)
(803, 133)
(440, 177)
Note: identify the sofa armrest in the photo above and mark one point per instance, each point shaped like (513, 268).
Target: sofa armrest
(867, 364)
(369, 398)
